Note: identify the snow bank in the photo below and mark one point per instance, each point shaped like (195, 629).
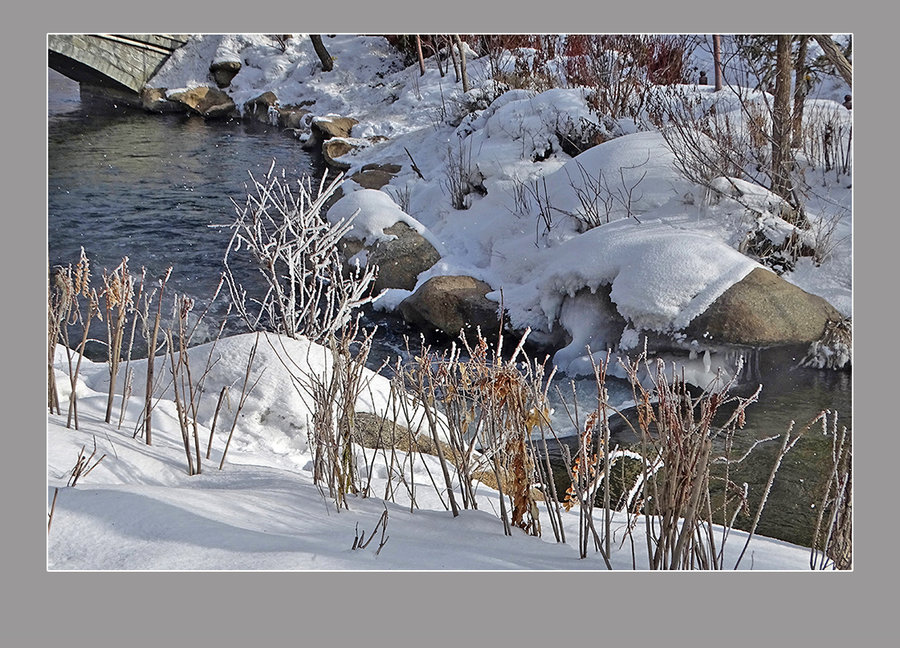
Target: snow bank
(138, 509)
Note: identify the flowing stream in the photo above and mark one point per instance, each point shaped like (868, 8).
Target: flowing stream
(122, 182)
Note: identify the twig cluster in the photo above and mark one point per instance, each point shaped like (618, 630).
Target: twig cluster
(295, 251)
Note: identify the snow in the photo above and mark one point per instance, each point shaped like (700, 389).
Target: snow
(664, 249)
(138, 509)
(373, 211)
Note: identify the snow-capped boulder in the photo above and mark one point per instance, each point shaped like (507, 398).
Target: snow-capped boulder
(327, 127)
(764, 310)
(385, 235)
(332, 126)
(258, 107)
(452, 304)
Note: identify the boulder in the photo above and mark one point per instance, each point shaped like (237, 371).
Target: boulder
(265, 109)
(258, 107)
(224, 71)
(402, 259)
(764, 310)
(323, 129)
(205, 101)
(291, 116)
(154, 100)
(338, 147)
(375, 176)
(452, 304)
(328, 127)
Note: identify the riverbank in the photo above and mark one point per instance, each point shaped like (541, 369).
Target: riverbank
(508, 189)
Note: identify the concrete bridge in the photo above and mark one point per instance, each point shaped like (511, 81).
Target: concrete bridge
(113, 65)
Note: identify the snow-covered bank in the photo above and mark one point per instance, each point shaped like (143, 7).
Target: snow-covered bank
(138, 509)
(665, 247)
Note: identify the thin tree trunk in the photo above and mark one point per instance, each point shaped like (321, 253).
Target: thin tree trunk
(419, 53)
(453, 57)
(462, 62)
(321, 52)
(801, 88)
(435, 45)
(781, 120)
(836, 57)
(717, 60)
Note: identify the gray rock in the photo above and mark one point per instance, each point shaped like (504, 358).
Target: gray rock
(764, 310)
(401, 260)
(452, 304)
(224, 71)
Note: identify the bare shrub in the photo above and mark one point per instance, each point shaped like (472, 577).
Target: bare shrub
(295, 251)
(708, 144)
(598, 200)
(620, 69)
(490, 402)
(399, 196)
(462, 177)
(331, 394)
(677, 433)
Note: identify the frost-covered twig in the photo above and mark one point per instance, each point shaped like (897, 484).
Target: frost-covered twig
(295, 251)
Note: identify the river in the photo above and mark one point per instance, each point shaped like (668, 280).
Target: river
(122, 182)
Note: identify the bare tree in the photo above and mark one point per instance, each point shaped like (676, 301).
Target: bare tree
(781, 119)
(324, 56)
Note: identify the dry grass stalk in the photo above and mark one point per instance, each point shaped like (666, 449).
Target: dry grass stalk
(482, 401)
(676, 432)
(66, 289)
(52, 509)
(332, 396)
(152, 336)
(118, 294)
(832, 545)
(360, 541)
(212, 427)
(83, 465)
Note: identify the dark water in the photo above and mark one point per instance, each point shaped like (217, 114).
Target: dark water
(123, 182)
